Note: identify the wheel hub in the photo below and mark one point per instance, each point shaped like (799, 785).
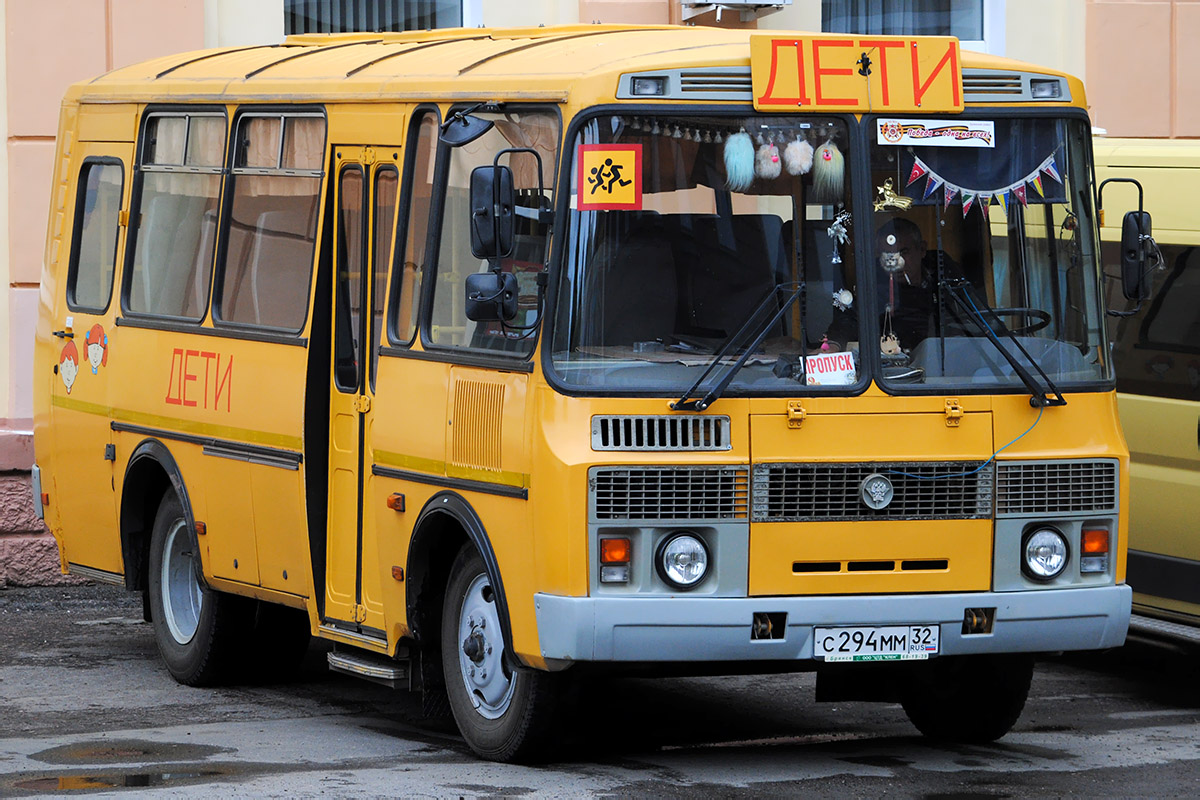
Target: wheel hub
(488, 681)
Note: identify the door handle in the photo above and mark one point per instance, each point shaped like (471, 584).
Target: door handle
(65, 334)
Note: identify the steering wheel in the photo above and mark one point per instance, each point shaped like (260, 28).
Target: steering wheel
(1040, 318)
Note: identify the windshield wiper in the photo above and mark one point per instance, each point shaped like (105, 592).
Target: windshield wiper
(759, 332)
(960, 292)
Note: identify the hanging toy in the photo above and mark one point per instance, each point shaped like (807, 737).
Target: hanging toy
(828, 173)
(739, 161)
(766, 160)
(798, 157)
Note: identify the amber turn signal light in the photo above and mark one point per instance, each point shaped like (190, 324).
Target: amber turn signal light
(201, 529)
(1094, 542)
(614, 551)
(45, 498)
(396, 502)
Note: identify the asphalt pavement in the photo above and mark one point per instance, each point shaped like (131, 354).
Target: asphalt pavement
(87, 708)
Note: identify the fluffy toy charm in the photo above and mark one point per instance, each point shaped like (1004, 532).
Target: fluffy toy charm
(739, 162)
(828, 173)
(798, 157)
(766, 161)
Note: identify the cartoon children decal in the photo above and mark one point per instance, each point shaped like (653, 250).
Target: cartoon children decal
(96, 345)
(68, 365)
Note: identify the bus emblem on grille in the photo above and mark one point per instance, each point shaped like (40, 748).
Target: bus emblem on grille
(877, 491)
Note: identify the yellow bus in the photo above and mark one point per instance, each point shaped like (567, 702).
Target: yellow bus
(1157, 357)
(498, 358)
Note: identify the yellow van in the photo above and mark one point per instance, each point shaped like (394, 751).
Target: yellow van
(1157, 350)
(498, 358)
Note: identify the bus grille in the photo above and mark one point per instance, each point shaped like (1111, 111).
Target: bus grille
(831, 492)
(655, 432)
(669, 493)
(1056, 487)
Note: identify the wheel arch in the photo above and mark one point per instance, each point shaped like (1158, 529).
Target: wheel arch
(149, 475)
(446, 522)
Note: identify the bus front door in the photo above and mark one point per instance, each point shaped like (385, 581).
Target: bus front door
(367, 183)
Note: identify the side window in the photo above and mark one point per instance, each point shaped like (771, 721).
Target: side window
(348, 316)
(536, 131)
(272, 228)
(1157, 350)
(413, 229)
(175, 228)
(94, 245)
(387, 186)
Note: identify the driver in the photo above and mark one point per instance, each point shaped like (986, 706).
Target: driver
(906, 292)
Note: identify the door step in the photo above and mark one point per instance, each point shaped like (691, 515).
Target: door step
(378, 669)
(1149, 627)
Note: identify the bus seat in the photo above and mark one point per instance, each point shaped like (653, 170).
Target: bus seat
(633, 279)
(977, 358)
(279, 264)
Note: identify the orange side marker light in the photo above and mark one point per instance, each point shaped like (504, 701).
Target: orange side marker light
(614, 551)
(1094, 542)
(396, 502)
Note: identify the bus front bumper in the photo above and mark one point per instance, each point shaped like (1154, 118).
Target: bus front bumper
(680, 628)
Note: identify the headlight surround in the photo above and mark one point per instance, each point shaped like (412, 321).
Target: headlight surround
(682, 560)
(1044, 554)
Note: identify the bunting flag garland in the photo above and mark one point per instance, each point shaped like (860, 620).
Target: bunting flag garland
(1050, 169)
(967, 199)
(917, 171)
(932, 186)
(984, 197)
(950, 192)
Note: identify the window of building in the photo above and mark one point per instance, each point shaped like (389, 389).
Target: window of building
(94, 252)
(978, 24)
(272, 229)
(336, 16)
(448, 325)
(174, 231)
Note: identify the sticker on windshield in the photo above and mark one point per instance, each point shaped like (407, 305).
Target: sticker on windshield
(959, 133)
(830, 369)
(610, 177)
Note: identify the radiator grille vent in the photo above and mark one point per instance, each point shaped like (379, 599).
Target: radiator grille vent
(1056, 487)
(652, 432)
(804, 492)
(670, 493)
(735, 85)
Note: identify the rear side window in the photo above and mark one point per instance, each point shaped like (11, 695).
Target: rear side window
(272, 230)
(94, 248)
(179, 188)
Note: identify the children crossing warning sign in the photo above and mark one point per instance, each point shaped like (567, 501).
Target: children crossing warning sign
(610, 176)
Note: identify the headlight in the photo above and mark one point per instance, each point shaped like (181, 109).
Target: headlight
(1045, 553)
(682, 560)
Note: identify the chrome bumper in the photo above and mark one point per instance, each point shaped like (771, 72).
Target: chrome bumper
(659, 629)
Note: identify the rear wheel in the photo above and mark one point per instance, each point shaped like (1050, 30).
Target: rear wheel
(968, 698)
(504, 714)
(200, 632)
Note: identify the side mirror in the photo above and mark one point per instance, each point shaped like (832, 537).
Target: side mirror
(1135, 232)
(491, 296)
(492, 211)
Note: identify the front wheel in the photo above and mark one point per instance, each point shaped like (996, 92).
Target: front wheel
(504, 714)
(971, 699)
(200, 632)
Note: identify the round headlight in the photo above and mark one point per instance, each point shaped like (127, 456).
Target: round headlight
(682, 560)
(1045, 554)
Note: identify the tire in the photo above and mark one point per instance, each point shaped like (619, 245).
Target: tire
(968, 699)
(201, 633)
(504, 715)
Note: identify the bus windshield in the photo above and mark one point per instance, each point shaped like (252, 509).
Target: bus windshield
(686, 229)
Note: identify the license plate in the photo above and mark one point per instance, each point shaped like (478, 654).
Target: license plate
(891, 643)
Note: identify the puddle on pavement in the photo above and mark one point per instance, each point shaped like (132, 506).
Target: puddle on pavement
(66, 783)
(118, 751)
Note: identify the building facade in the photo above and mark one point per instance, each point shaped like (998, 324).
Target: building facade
(1129, 52)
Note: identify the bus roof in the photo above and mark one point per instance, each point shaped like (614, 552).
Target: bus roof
(513, 63)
